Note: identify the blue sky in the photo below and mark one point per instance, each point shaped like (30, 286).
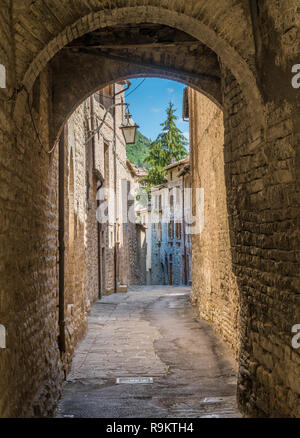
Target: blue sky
(149, 101)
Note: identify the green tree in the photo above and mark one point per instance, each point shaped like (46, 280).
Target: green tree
(170, 144)
(136, 153)
(171, 140)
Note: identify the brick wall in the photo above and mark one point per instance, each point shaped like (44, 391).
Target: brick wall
(247, 283)
(263, 211)
(29, 263)
(215, 291)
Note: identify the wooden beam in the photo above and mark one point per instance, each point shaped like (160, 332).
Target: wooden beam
(138, 62)
(134, 45)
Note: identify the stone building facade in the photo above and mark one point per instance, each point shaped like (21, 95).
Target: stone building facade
(138, 225)
(171, 248)
(105, 248)
(104, 251)
(101, 182)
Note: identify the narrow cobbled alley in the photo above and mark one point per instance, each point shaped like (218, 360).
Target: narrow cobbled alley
(150, 332)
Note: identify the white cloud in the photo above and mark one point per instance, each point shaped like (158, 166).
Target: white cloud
(170, 90)
(156, 110)
(187, 135)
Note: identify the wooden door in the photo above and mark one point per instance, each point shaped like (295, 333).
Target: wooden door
(170, 273)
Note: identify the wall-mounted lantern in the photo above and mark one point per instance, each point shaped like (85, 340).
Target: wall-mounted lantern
(129, 128)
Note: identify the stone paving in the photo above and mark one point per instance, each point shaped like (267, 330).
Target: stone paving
(151, 331)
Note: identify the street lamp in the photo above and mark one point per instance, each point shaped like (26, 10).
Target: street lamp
(129, 128)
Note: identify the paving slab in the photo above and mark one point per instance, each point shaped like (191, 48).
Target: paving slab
(150, 332)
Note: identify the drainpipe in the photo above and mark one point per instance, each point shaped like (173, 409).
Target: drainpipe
(101, 181)
(115, 190)
(61, 247)
(99, 247)
(93, 128)
(183, 228)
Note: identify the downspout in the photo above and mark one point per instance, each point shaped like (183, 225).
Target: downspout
(99, 247)
(101, 181)
(93, 128)
(115, 191)
(61, 247)
(183, 227)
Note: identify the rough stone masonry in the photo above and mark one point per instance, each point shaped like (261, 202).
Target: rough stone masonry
(242, 57)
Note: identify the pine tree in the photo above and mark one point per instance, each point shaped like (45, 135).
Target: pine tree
(170, 144)
(171, 140)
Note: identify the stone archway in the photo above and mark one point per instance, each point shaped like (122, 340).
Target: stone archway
(136, 14)
(66, 99)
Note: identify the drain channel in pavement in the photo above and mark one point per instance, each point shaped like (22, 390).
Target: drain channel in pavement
(134, 380)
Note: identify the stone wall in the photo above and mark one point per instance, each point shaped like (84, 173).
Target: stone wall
(31, 370)
(31, 210)
(81, 269)
(118, 240)
(247, 283)
(264, 211)
(215, 291)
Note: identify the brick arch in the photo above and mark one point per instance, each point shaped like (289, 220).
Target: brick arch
(228, 54)
(66, 102)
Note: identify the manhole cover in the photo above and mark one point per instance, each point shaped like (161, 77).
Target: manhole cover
(134, 380)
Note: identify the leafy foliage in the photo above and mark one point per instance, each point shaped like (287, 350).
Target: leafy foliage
(136, 153)
(171, 140)
(170, 144)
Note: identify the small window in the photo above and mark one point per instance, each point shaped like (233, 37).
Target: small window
(171, 230)
(105, 97)
(178, 231)
(159, 232)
